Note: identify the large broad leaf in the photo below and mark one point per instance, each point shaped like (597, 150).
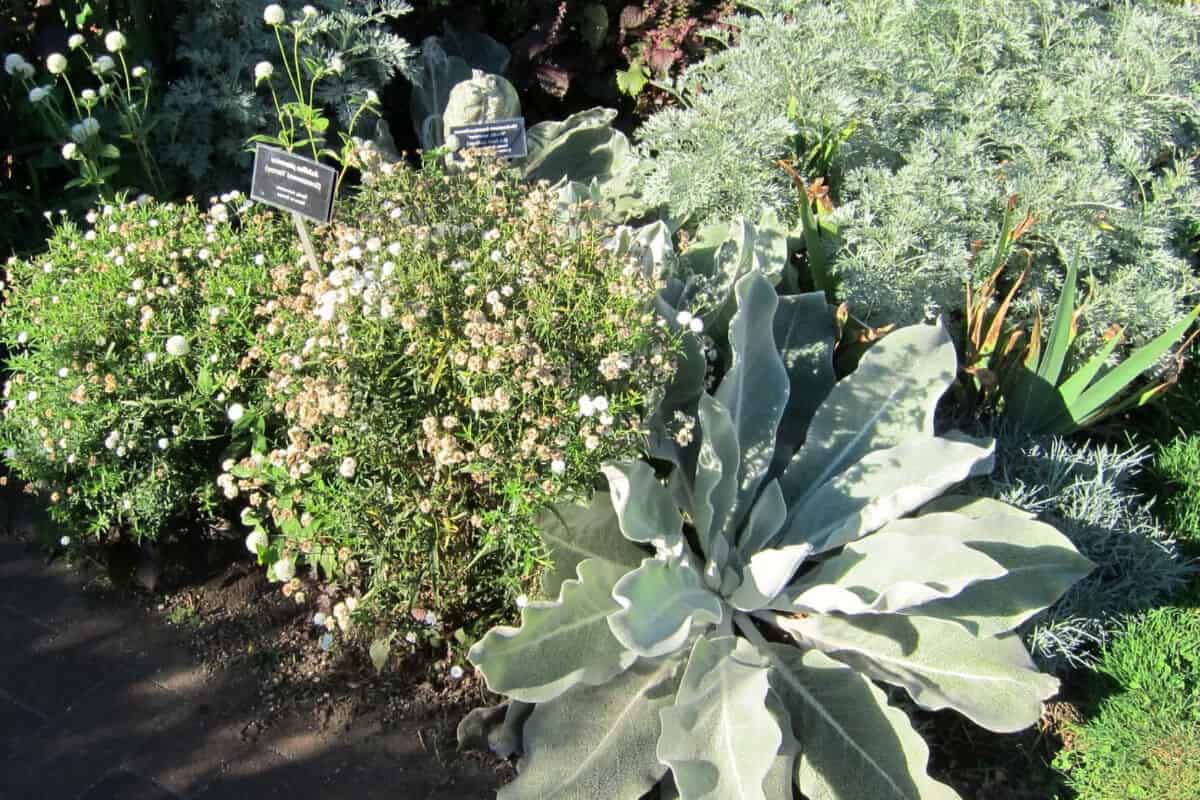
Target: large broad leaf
(573, 532)
(767, 574)
(716, 479)
(719, 738)
(974, 507)
(883, 486)
(660, 601)
(804, 334)
(559, 644)
(598, 741)
(854, 746)
(890, 571)
(765, 520)
(1040, 564)
(990, 680)
(781, 777)
(645, 509)
(755, 389)
(888, 399)
(581, 148)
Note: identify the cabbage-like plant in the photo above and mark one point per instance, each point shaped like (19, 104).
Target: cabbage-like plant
(729, 625)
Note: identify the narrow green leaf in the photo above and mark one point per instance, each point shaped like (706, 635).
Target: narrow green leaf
(660, 601)
(854, 746)
(598, 741)
(1060, 333)
(990, 680)
(719, 738)
(1073, 386)
(559, 644)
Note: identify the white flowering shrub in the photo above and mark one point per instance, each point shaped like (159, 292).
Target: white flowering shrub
(462, 357)
(126, 341)
(927, 115)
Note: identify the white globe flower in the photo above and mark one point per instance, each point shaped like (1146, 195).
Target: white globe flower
(273, 14)
(105, 90)
(178, 346)
(56, 63)
(696, 325)
(256, 541)
(114, 41)
(13, 62)
(235, 412)
(75, 42)
(163, 443)
(103, 65)
(70, 150)
(558, 466)
(263, 71)
(285, 570)
(65, 541)
(683, 318)
(309, 11)
(39, 93)
(456, 672)
(138, 72)
(348, 467)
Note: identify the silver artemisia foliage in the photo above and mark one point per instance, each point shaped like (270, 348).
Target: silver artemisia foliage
(663, 652)
(1085, 110)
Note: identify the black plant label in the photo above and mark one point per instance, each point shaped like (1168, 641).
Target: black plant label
(293, 183)
(500, 137)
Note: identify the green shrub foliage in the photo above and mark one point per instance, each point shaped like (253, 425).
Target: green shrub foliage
(214, 107)
(126, 342)
(463, 356)
(928, 114)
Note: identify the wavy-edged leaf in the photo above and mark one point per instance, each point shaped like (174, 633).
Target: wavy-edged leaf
(716, 478)
(883, 486)
(719, 738)
(804, 335)
(573, 532)
(767, 574)
(560, 643)
(755, 389)
(645, 509)
(1040, 564)
(991, 680)
(888, 399)
(854, 746)
(973, 507)
(660, 601)
(781, 777)
(598, 741)
(890, 571)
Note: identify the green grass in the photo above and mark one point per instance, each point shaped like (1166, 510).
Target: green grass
(1142, 741)
(1177, 467)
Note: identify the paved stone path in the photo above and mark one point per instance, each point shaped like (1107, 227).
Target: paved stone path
(101, 701)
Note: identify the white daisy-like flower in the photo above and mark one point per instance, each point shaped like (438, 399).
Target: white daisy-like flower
(348, 467)
(683, 318)
(273, 14)
(163, 443)
(558, 466)
(696, 325)
(178, 346)
(456, 673)
(256, 541)
(22, 337)
(151, 357)
(285, 570)
(235, 412)
(56, 63)
(63, 372)
(586, 407)
(600, 403)
(114, 41)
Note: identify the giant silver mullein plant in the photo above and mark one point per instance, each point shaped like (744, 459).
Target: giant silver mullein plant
(729, 625)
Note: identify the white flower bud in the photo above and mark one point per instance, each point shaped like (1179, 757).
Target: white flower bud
(263, 71)
(75, 42)
(56, 63)
(235, 412)
(348, 467)
(114, 41)
(273, 14)
(139, 71)
(309, 11)
(70, 150)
